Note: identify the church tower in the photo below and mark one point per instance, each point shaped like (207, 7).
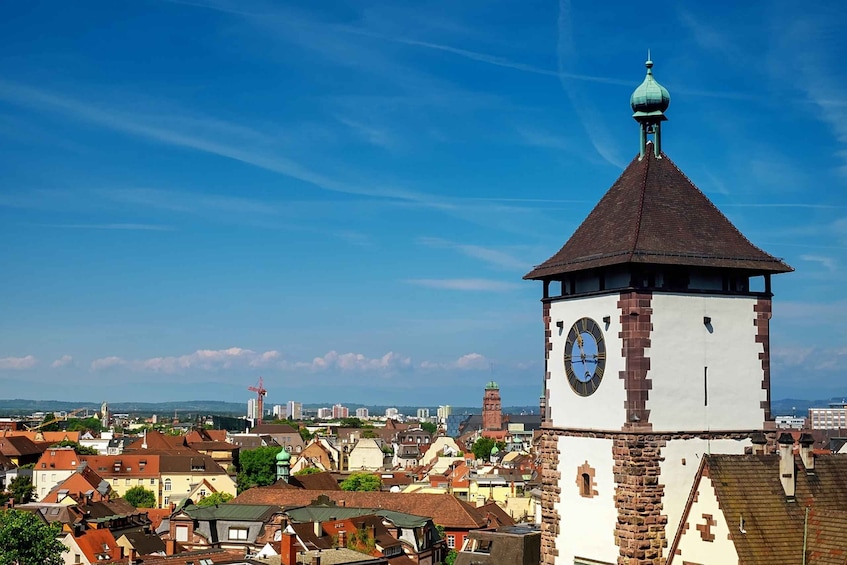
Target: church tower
(656, 316)
(492, 412)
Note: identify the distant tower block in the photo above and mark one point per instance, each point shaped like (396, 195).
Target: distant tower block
(492, 413)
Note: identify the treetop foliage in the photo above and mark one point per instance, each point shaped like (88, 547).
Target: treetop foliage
(26, 540)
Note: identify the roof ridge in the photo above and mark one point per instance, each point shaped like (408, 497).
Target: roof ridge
(640, 207)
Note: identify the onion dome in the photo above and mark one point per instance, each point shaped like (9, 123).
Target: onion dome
(283, 456)
(650, 98)
(491, 386)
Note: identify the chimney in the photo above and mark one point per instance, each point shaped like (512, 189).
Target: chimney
(786, 464)
(342, 538)
(316, 558)
(806, 442)
(318, 530)
(170, 547)
(288, 549)
(758, 440)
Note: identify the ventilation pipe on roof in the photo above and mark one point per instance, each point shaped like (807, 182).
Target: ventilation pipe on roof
(786, 465)
(806, 442)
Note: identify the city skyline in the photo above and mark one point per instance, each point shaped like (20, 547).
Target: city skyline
(333, 197)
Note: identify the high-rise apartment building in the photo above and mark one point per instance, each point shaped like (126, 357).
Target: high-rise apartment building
(361, 413)
(279, 411)
(324, 413)
(294, 410)
(444, 411)
(339, 412)
(392, 413)
(423, 413)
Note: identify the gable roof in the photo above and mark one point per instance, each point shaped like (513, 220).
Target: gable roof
(97, 544)
(18, 446)
(316, 481)
(749, 487)
(83, 482)
(654, 214)
(444, 509)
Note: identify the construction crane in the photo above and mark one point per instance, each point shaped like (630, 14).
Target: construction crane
(260, 391)
(54, 419)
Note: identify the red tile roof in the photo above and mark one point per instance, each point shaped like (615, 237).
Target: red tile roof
(749, 487)
(100, 542)
(444, 509)
(654, 214)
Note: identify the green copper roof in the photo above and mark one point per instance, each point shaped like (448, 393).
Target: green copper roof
(650, 98)
(283, 456)
(492, 386)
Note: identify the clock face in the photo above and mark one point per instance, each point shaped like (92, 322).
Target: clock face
(585, 356)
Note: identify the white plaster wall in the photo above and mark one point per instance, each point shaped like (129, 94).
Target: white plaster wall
(693, 548)
(681, 346)
(587, 525)
(366, 455)
(603, 410)
(678, 478)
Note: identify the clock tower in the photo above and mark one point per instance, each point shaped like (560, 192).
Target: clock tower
(656, 316)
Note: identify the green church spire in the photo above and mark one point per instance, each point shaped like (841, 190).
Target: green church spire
(649, 102)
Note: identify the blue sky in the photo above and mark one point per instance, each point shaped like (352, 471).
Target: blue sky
(343, 197)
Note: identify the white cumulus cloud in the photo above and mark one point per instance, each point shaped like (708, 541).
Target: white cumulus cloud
(17, 363)
(62, 361)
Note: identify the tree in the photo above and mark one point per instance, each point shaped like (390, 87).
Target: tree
(141, 497)
(308, 471)
(79, 448)
(362, 482)
(258, 467)
(429, 428)
(482, 447)
(82, 424)
(351, 423)
(26, 540)
(21, 489)
(52, 426)
(451, 557)
(305, 434)
(215, 498)
(362, 541)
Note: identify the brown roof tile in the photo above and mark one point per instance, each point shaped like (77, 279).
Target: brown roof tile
(654, 214)
(444, 509)
(749, 486)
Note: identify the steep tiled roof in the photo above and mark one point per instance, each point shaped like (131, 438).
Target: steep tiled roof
(156, 441)
(84, 480)
(654, 214)
(189, 463)
(97, 544)
(125, 465)
(444, 509)
(17, 446)
(316, 481)
(749, 487)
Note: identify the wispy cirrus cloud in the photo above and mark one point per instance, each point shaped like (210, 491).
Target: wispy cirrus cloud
(166, 129)
(829, 263)
(495, 257)
(484, 285)
(18, 363)
(123, 227)
(583, 105)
